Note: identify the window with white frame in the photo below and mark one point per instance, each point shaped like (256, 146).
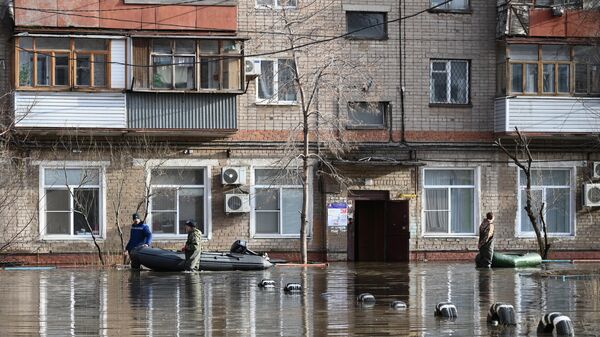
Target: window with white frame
(277, 202)
(276, 3)
(72, 202)
(177, 195)
(452, 6)
(449, 82)
(551, 187)
(276, 83)
(449, 201)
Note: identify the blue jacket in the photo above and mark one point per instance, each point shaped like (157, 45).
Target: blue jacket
(140, 235)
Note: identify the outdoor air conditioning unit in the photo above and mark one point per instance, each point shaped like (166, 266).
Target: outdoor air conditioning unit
(237, 203)
(596, 169)
(233, 175)
(591, 195)
(558, 10)
(252, 67)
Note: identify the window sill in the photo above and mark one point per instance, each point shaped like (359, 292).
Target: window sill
(449, 236)
(277, 8)
(84, 238)
(193, 91)
(450, 105)
(283, 103)
(450, 11)
(356, 38)
(172, 237)
(550, 235)
(69, 89)
(279, 236)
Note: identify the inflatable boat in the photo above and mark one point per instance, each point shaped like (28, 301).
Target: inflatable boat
(500, 260)
(239, 258)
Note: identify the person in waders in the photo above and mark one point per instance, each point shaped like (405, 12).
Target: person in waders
(486, 242)
(192, 247)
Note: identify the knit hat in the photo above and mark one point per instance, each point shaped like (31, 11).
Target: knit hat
(135, 216)
(190, 223)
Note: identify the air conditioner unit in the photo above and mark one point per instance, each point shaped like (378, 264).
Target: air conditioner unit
(233, 175)
(591, 195)
(237, 203)
(252, 67)
(596, 169)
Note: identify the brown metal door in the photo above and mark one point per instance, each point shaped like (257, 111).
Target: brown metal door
(370, 230)
(397, 232)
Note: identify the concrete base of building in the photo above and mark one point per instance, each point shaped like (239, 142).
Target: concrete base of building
(470, 255)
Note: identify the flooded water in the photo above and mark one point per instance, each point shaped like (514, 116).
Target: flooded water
(78, 302)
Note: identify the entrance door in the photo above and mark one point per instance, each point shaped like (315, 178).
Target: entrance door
(381, 231)
(369, 230)
(397, 232)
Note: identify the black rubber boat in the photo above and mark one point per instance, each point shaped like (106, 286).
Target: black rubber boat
(239, 258)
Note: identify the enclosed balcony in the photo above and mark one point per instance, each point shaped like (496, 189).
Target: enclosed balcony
(548, 18)
(547, 88)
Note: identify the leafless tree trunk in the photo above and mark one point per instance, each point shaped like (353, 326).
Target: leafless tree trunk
(522, 147)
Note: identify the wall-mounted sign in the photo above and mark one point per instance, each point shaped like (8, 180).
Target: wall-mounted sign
(337, 214)
(407, 196)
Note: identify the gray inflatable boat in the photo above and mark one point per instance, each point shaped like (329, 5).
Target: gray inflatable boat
(240, 258)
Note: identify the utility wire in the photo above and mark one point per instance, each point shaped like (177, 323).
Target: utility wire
(307, 44)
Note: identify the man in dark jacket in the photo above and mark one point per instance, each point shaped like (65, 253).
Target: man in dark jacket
(192, 247)
(140, 236)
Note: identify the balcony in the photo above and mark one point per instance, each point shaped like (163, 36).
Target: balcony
(548, 18)
(547, 115)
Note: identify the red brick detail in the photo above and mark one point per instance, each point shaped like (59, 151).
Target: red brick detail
(575, 23)
(470, 255)
(449, 136)
(91, 259)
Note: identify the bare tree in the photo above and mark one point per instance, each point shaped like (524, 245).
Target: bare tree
(320, 75)
(521, 150)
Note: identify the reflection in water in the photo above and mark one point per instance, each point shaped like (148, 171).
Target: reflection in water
(116, 303)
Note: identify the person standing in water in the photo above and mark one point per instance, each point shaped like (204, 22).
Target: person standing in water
(486, 242)
(192, 247)
(140, 236)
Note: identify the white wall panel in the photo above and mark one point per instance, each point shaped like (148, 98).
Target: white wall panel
(70, 109)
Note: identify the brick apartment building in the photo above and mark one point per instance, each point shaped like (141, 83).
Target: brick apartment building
(138, 105)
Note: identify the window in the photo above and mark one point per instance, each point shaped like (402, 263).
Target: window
(276, 83)
(449, 82)
(587, 69)
(188, 64)
(366, 114)
(452, 6)
(72, 202)
(552, 187)
(366, 25)
(449, 205)
(276, 3)
(47, 62)
(277, 202)
(178, 195)
(550, 69)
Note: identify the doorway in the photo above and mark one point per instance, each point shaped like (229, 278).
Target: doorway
(380, 231)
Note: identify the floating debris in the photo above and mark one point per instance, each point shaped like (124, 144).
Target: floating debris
(266, 283)
(398, 305)
(293, 288)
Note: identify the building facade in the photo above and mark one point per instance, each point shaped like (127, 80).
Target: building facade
(195, 110)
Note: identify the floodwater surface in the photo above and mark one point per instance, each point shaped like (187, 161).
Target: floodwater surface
(79, 302)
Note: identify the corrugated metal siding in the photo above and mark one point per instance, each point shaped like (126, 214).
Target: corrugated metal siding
(554, 114)
(117, 68)
(181, 111)
(70, 109)
(500, 114)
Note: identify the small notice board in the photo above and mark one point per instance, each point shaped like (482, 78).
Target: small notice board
(337, 214)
